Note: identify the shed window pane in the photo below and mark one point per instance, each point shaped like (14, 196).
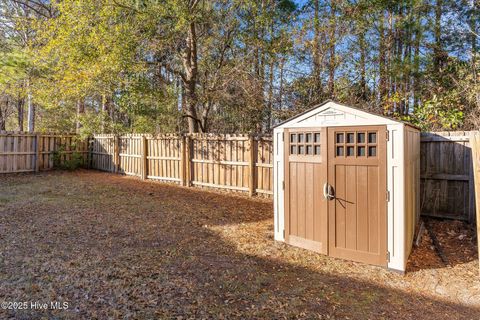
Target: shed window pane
(350, 151)
(316, 138)
(309, 149)
(293, 138)
(308, 138)
(361, 137)
(339, 137)
(317, 150)
(350, 137)
(372, 137)
(293, 149)
(339, 151)
(372, 151)
(361, 151)
(300, 137)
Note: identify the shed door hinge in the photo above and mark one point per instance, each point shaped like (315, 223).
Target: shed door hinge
(283, 185)
(388, 256)
(283, 136)
(283, 233)
(388, 135)
(388, 196)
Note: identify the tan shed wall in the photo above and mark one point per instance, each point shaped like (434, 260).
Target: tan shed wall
(412, 185)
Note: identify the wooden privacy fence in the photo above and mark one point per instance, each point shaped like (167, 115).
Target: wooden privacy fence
(226, 161)
(447, 185)
(235, 162)
(30, 152)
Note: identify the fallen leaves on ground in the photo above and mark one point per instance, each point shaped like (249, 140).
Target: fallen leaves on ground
(117, 247)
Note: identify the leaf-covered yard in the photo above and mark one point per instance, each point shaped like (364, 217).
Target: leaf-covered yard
(117, 247)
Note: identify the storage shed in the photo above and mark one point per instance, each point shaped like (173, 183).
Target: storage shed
(347, 183)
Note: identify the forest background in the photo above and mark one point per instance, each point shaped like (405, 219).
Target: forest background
(238, 66)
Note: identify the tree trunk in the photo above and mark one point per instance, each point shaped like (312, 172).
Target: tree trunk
(31, 109)
(399, 57)
(80, 112)
(280, 93)
(474, 13)
(363, 68)
(332, 44)
(473, 26)
(270, 98)
(20, 113)
(437, 49)
(190, 59)
(104, 112)
(2, 120)
(416, 60)
(317, 67)
(390, 85)
(382, 83)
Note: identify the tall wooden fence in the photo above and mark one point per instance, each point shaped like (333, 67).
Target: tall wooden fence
(447, 185)
(235, 162)
(29, 152)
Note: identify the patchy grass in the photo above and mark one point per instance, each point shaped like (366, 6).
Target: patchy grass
(116, 247)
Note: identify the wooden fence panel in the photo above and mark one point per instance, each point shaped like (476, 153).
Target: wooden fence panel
(220, 161)
(17, 152)
(264, 165)
(28, 152)
(164, 158)
(102, 152)
(226, 162)
(234, 162)
(130, 154)
(446, 175)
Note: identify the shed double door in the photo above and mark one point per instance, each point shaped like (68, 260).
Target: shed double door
(349, 163)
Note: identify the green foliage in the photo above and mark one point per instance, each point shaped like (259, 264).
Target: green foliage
(13, 66)
(437, 114)
(75, 159)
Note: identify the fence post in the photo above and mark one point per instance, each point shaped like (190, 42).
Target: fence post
(475, 145)
(37, 152)
(183, 155)
(116, 154)
(188, 161)
(144, 157)
(251, 166)
(88, 145)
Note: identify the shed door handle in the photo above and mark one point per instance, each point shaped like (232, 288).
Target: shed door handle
(328, 192)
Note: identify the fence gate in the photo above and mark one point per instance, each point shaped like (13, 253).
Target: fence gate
(305, 172)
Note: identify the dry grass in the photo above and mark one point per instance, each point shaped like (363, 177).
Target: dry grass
(117, 247)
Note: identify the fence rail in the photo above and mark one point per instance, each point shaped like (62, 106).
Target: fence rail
(30, 152)
(235, 162)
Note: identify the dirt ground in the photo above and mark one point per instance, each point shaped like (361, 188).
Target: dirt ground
(116, 247)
